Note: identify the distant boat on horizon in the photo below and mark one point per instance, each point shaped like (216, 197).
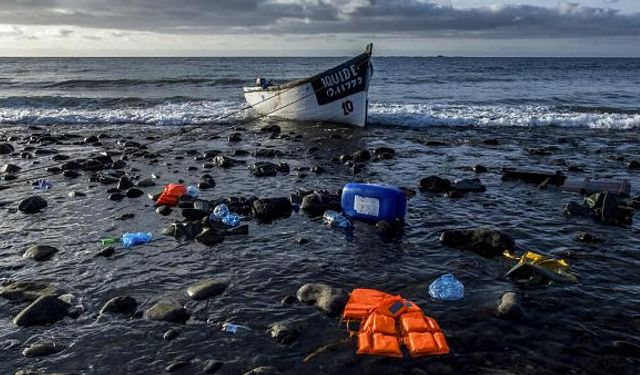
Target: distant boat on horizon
(336, 95)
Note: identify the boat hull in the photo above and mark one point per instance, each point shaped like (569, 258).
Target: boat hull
(337, 95)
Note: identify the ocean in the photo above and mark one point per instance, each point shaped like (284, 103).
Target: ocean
(95, 129)
(405, 91)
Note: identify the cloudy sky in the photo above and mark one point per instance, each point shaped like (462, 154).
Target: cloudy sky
(319, 27)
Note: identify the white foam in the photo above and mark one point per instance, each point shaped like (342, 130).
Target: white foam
(419, 115)
(192, 112)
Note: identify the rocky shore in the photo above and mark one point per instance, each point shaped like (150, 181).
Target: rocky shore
(70, 305)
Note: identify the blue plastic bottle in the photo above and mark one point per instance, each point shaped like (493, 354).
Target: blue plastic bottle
(372, 202)
(132, 239)
(336, 219)
(446, 288)
(193, 191)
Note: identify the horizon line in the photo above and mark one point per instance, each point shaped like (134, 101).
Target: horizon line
(313, 57)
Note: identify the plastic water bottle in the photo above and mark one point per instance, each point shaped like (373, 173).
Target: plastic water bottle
(193, 191)
(42, 184)
(336, 219)
(109, 241)
(231, 220)
(234, 328)
(446, 288)
(136, 238)
(220, 211)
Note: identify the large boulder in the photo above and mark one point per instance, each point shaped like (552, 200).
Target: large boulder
(41, 349)
(271, 208)
(207, 288)
(324, 297)
(27, 290)
(40, 252)
(468, 185)
(44, 310)
(211, 236)
(32, 204)
(486, 242)
(168, 311)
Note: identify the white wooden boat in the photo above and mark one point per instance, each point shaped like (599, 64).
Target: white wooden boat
(337, 95)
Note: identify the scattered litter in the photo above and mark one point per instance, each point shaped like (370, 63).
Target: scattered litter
(604, 207)
(535, 269)
(222, 214)
(193, 191)
(171, 195)
(336, 220)
(388, 322)
(234, 328)
(586, 186)
(372, 203)
(136, 238)
(446, 288)
(42, 184)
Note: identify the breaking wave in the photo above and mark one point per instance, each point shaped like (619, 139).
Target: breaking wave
(420, 115)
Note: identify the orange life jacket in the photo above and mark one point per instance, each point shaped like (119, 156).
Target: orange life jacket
(171, 195)
(388, 322)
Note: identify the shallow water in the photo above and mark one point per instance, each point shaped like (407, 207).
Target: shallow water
(567, 329)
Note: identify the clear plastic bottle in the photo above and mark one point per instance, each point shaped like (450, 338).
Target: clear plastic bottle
(220, 211)
(234, 328)
(336, 219)
(231, 220)
(193, 191)
(446, 288)
(136, 238)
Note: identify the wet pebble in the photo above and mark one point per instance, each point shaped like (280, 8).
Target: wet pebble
(41, 349)
(24, 290)
(207, 288)
(285, 331)
(434, 184)
(169, 311)
(119, 305)
(40, 252)
(588, 238)
(105, 252)
(134, 193)
(10, 169)
(211, 366)
(484, 241)
(176, 366)
(170, 334)
(509, 307)
(44, 310)
(77, 194)
(324, 297)
(164, 210)
(116, 197)
(633, 164)
(32, 204)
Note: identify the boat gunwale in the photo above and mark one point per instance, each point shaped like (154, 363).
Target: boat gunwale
(302, 81)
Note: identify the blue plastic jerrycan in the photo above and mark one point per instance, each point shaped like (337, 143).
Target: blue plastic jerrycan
(372, 202)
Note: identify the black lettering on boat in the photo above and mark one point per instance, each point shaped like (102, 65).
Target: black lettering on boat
(347, 107)
(342, 81)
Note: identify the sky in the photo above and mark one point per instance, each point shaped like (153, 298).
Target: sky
(598, 28)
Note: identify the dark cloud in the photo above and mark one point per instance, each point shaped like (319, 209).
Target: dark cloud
(408, 17)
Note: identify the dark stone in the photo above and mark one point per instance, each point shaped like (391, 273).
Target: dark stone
(170, 334)
(384, 150)
(302, 241)
(210, 236)
(53, 170)
(32, 204)
(241, 153)
(168, 311)
(467, 185)
(588, 238)
(362, 155)
(325, 298)
(345, 158)
(485, 242)
(77, 194)
(120, 305)
(434, 184)
(194, 214)
(116, 197)
(124, 183)
(176, 366)
(71, 166)
(454, 194)
(356, 168)
(10, 169)
(164, 210)
(317, 169)
(91, 139)
(235, 137)
(263, 370)
(633, 164)
(263, 169)
(288, 300)
(6, 148)
(267, 153)
(106, 252)
(509, 307)
(284, 332)
(71, 174)
(317, 203)
(40, 252)
(271, 129)
(92, 165)
(134, 193)
(147, 182)
(491, 142)
(206, 184)
(118, 164)
(41, 349)
(224, 162)
(27, 290)
(212, 366)
(187, 230)
(207, 288)
(239, 230)
(478, 168)
(44, 310)
(271, 208)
